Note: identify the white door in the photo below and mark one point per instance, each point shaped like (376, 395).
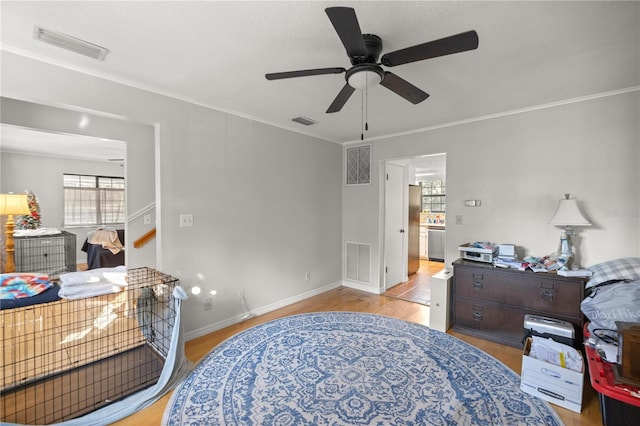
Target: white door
(394, 232)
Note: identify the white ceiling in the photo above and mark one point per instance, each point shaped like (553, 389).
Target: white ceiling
(22, 140)
(216, 54)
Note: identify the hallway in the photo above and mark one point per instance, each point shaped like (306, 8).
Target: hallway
(418, 288)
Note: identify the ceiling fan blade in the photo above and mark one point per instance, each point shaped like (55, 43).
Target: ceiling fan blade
(345, 22)
(304, 73)
(403, 88)
(432, 49)
(341, 99)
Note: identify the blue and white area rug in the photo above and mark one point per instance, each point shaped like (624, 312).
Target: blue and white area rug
(347, 368)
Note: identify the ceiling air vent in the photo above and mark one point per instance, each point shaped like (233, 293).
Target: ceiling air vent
(70, 43)
(303, 120)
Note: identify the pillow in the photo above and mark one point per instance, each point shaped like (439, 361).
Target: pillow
(611, 271)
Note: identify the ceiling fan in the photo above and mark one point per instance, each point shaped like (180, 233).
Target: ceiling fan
(363, 51)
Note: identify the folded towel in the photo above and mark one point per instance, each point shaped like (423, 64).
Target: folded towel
(36, 232)
(116, 275)
(89, 290)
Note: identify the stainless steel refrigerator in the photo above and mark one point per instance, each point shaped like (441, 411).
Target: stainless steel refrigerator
(413, 234)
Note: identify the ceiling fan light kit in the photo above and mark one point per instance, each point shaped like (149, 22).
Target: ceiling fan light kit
(363, 51)
(364, 76)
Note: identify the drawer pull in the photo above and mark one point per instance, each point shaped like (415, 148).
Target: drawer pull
(477, 284)
(548, 294)
(477, 316)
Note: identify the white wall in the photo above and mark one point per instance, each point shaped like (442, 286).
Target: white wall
(266, 202)
(43, 176)
(519, 166)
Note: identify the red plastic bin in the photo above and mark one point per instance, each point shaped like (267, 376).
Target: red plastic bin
(619, 403)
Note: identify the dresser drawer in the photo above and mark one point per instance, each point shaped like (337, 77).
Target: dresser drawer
(545, 293)
(499, 322)
(504, 323)
(491, 303)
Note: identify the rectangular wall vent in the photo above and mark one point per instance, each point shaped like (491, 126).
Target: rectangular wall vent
(70, 43)
(358, 262)
(303, 120)
(358, 165)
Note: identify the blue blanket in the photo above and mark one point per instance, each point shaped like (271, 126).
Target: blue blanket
(50, 295)
(19, 286)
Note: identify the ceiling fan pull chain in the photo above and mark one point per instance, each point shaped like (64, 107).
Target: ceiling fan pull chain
(362, 116)
(366, 107)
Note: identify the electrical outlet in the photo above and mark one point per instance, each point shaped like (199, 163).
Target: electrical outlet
(307, 276)
(208, 303)
(458, 219)
(147, 219)
(186, 220)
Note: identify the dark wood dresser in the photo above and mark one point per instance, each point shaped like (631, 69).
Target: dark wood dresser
(491, 303)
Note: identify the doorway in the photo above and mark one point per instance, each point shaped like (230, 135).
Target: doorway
(429, 173)
(417, 288)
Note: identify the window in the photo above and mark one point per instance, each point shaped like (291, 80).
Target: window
(93, 200)
(434, 197)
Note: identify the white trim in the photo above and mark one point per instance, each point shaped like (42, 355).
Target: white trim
(30, 55)
(142, 211)
(157, 173)
(503, 114)
(362, 287)
(258, 311)
(108, 77)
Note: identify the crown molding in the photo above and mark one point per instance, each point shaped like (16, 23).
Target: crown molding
(140, 86)
(109, 77)
(504, 114)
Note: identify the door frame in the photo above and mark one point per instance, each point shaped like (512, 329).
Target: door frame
(405, 161)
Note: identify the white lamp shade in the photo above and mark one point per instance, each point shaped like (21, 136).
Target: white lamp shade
(568, 214)
(362, 79)
(14, 204)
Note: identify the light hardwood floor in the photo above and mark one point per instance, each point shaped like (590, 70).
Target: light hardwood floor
(345, 299)
(418, 287)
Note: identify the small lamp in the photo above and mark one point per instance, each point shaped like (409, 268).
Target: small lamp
(11, 204)
(567, 217)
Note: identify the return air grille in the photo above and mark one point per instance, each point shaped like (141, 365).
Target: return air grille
(358, 262)
(358, 165)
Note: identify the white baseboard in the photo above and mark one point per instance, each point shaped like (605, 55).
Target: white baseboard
(259, 311)
(363, 287)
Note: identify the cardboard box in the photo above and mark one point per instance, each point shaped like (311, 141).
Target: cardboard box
(550, 382)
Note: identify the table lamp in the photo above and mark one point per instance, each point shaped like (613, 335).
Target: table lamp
(567, 217)
(11, 204)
